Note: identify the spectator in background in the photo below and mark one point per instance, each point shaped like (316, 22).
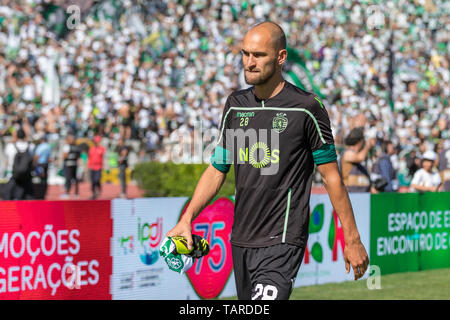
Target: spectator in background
(95, 165)
(413, 163)
(169, 67)
(123, 150)
(71, 157)
(10, 152)
(354, 171)
(444, 167)
(41, 162)
(426, 178)
(19, 186)
(383, 169)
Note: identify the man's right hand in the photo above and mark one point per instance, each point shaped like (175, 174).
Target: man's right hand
(182, 228)
(207, 187)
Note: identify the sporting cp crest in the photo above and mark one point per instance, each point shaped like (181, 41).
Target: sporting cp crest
(280, 122)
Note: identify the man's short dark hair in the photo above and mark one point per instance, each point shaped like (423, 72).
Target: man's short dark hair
(20, 134)
(355, 136)
(279, 37)
(385, 144)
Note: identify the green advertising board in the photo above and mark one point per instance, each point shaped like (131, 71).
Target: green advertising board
(410, 231)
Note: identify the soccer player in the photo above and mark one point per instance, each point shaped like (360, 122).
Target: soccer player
(274, 133)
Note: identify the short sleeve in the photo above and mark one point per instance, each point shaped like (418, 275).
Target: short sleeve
(416, 178)
(437, 179)
(319, 134)
(221, 158)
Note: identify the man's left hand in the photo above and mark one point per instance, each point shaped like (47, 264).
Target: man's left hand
(355, 255)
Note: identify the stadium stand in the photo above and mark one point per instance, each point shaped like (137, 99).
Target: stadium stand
(150, 71)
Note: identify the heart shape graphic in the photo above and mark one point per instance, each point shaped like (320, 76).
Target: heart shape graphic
(209, 275)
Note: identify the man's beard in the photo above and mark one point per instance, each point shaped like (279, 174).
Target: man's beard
(262, 79)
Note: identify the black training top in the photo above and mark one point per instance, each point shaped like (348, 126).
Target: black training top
(273, 145)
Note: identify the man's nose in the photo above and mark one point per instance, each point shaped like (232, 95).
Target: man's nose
(251, 62)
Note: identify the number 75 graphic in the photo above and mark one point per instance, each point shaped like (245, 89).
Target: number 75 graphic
(208, 231)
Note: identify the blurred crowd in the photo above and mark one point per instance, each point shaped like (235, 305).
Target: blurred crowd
(150, 71)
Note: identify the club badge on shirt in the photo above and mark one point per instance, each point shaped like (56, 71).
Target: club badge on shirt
(280, 122)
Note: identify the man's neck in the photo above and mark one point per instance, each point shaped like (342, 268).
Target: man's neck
(269, 89)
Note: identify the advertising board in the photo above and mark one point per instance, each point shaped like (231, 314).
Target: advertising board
(410, 231)
(55, 250)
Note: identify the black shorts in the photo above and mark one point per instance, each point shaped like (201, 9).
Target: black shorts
(266, 273)
(70, 173)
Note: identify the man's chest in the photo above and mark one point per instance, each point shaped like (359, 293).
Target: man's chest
(263, 137)
(282, 126)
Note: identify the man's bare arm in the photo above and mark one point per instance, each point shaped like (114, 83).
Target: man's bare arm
(359, 156)
(207, 188)
(354, 252)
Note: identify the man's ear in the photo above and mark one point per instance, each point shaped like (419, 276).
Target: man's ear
(282, 56)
